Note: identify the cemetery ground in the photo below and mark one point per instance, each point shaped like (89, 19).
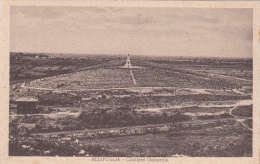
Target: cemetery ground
(91, 107)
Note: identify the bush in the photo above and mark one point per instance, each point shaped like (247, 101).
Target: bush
(241, 148)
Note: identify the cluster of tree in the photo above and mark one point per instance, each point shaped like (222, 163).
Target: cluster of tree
(54, 99)
(124, 116)
(95, 118)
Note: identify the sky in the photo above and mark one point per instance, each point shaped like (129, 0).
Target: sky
(138, 31)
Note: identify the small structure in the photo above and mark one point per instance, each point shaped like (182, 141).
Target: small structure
(26, 105)
(128, 63)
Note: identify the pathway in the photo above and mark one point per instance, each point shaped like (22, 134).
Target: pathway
(132, 76)
(238, 119)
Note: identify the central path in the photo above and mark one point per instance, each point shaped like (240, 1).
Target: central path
(132, 76)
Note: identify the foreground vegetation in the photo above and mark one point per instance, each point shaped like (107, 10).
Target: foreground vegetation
(92, 119)
(39, 147)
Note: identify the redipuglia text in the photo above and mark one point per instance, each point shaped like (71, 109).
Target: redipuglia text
(105, 159)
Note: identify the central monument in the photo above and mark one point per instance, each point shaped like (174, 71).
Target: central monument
(128, 63)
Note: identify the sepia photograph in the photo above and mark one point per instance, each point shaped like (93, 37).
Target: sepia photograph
(97, 81)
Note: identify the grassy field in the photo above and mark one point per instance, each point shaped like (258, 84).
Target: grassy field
(244, 111)
(241, 68)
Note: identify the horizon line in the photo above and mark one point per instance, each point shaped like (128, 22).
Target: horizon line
(135, 55)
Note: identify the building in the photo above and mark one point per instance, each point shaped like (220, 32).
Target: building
(26, 105)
